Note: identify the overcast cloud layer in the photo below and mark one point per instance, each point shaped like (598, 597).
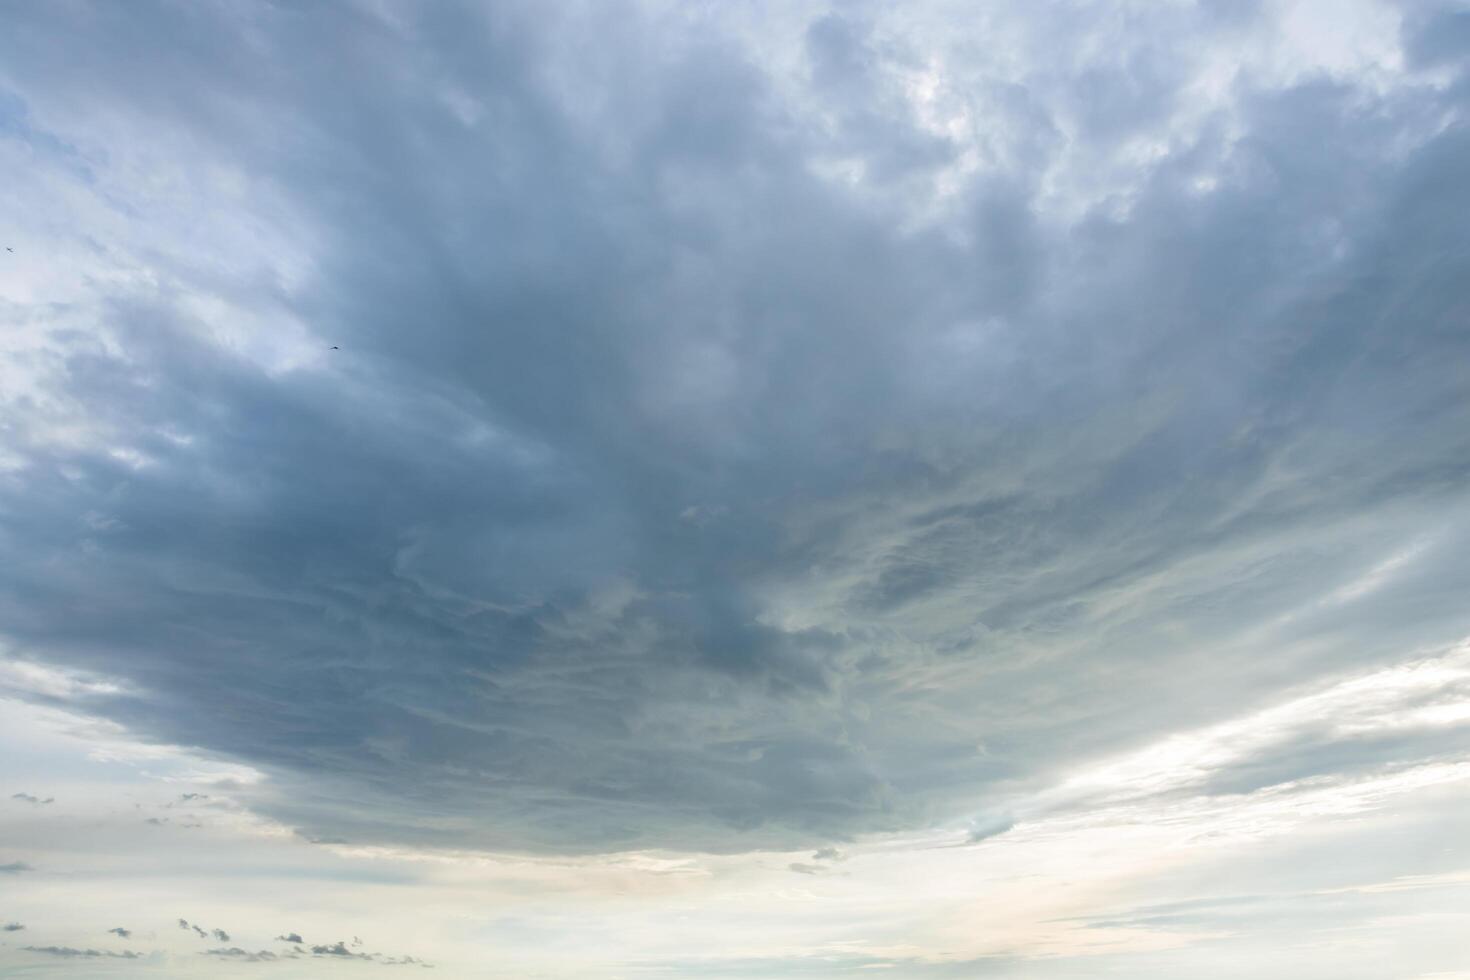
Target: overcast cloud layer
(560, 431)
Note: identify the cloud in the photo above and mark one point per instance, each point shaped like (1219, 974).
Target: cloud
(986, 827)
(15, 867)
(291, 937)
(121, 932)
(402, 961)
(340, 949)
(236, 953)
(12, 927)
(70, 952)
(28, 798)
(335, 949)
(830, 434)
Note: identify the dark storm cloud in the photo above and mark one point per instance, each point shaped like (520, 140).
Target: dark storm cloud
(666, 493)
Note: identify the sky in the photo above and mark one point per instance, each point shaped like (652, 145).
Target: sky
(649, 489)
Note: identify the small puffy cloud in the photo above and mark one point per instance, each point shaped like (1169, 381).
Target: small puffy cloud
(221, 935)
(121, 932)
(291, 937)
(12, 927)
(335, 949)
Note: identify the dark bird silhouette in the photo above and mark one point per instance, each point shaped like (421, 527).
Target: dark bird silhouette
(9, 249)
(336, 348)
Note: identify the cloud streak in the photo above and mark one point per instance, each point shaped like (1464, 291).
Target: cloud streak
(71, 952)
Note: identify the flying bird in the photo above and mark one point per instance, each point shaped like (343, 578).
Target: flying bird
(336, 348)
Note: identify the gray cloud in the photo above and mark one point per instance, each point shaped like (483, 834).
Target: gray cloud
(15, 867)
(340, 949)
(402, 961)
(291, 937)
(35, 800)
(666, 492)
(807, 869)
(335, 949)
(123, 933)
(12, 927)
(986, 827)
(71, 952)
(236, 953)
